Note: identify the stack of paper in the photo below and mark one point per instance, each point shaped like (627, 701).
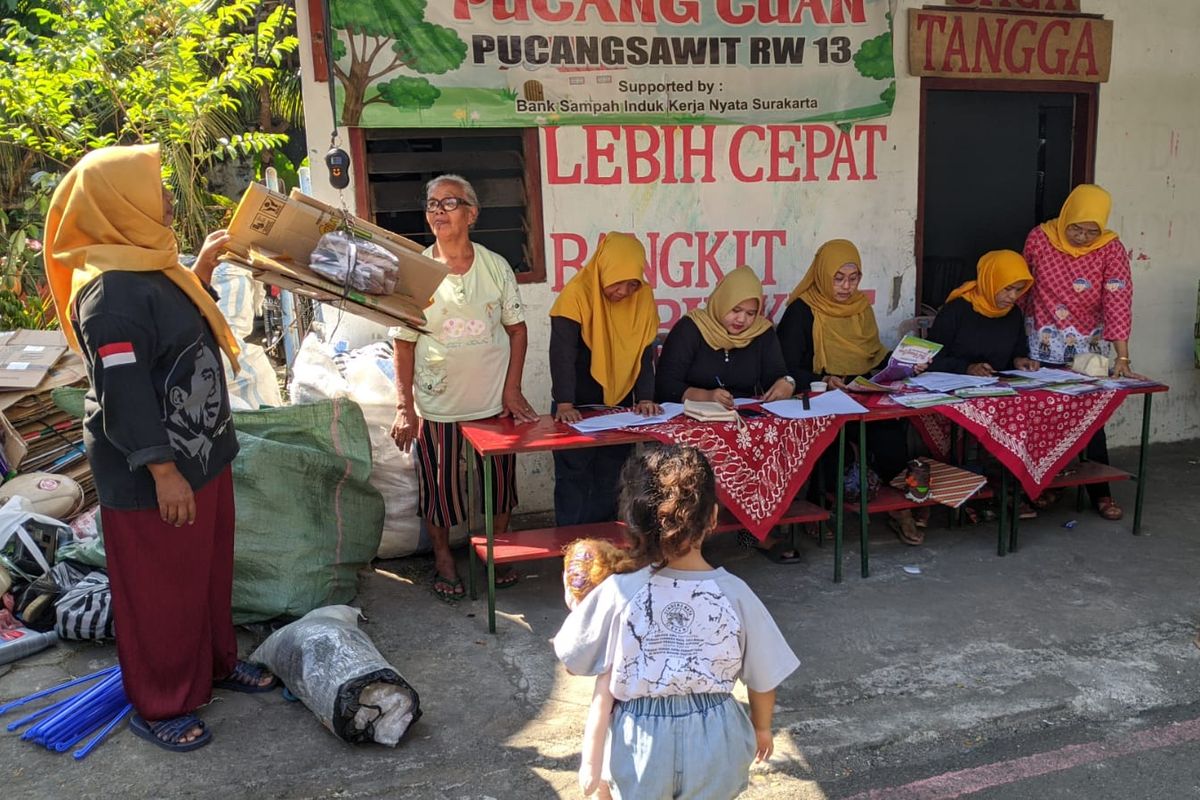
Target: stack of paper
(822, 404)
(948, 381)
(1048, 375)
(992, 390)
(925, 399)
(1073, 388)
(626, 419)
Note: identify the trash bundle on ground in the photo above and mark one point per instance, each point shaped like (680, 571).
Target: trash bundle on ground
(326, 661)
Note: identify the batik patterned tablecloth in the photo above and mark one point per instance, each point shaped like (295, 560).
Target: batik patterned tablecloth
(1033, 434)
(760, 464)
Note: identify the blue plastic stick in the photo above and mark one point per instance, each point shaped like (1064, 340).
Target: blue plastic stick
(82, 724)
(90, 746)
(47, 729)
(4, 709)
(12, 726)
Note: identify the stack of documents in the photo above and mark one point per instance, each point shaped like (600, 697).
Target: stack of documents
(821, 404)
(626, 419)
(925, 399)
(948, 381)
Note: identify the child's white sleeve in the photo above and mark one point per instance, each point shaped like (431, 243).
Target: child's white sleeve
(586, 640)
(767, 658)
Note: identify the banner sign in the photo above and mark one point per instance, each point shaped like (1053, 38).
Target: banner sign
(1061, 6)
(707, 199)
(966, 44)
(525, 63)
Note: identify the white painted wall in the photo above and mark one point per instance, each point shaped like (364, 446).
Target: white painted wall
(1148, 158)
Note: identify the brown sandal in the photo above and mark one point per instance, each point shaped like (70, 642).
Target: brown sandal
(906, 530)
(1046, 499)
(1108, 508)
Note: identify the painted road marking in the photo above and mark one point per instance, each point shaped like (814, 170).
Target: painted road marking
(959, 783)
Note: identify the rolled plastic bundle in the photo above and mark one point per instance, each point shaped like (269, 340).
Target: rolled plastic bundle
(358, 263)
(334, 669)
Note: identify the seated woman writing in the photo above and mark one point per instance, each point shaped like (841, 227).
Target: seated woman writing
(724, 350)
(727, 350)
(980, 328)
(829, 333)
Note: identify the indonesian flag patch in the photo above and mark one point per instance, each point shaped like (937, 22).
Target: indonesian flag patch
(116, 354)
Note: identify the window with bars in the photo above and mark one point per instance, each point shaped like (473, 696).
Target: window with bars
(502, 164)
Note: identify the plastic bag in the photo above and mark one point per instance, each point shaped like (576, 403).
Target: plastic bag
(84, 611)
(332, 666)
(26, 538)
(356, 263)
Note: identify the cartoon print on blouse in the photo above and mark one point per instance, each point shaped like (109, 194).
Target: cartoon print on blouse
(454, 328)
(1070, 350)
(1094, 341)
(1114, 285)
(1044, 344)
(1062, 312)
(1030, 326)
(1081, 285)
(476, 327)
(431, 377)
(194, 407)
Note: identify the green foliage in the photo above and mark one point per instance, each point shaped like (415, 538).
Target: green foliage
(405, 92)
(80, 74)
(416, 45)
(888, 95)
(24, 299)
(874, 58)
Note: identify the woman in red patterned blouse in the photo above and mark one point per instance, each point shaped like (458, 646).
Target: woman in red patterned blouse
(1081, 301)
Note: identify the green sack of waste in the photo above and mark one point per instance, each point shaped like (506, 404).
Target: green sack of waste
(307, 518)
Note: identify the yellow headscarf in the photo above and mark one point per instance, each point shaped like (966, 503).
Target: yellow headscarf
(107, 215)
(616, 333)
(996, 270)
(738, 285)
(1086, 203)
(845, 336)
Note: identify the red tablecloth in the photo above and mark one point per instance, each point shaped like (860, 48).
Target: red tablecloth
(1033, 434)
(759, 465)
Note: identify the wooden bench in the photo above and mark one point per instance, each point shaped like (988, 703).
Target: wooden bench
(513, 547)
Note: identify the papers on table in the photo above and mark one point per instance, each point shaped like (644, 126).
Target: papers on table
(821, 404)
(1125, 383)
(925, 399)
(626, 419)
(739, 402)
(1048, 375)
(948, 381)
(992, 390)
(1074, 388)
(861, 384)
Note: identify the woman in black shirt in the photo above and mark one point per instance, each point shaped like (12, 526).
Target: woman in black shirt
(724, 350)
(602, 329)
(980, 328)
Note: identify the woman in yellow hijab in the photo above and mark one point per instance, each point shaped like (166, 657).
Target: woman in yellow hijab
(1082, 301)
(980, 328)
(831, 331)
(829, 334)
(725, 350)
(602, 330)
(158, 432)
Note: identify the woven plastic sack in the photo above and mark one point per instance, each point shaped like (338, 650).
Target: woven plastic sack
(307, 517)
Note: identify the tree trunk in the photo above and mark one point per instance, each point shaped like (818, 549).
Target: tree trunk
(356, 94)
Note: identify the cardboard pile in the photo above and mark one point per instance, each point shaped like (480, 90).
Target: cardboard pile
(38, 437)
(274, 236)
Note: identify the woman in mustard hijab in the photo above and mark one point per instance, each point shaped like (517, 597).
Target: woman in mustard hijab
(980, 328)
(725, 350)
(829, 334)
(602, 329)
(158, 432)
(1082, 302)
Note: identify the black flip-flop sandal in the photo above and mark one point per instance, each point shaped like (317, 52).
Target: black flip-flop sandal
(452, 595)
(168, 733)
(245, 678)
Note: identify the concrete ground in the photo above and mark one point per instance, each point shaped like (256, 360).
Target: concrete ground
(1081, 633)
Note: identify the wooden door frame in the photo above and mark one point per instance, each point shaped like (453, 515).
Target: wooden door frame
(1083, 164)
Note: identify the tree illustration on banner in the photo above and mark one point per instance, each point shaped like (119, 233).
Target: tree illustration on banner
(874, 60)
(382, 37)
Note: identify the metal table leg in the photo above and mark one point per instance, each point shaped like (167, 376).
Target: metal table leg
(864, 517)
(472, 558)
(1001, 545)
(839, 507)
(490, 526)
(1141, 476)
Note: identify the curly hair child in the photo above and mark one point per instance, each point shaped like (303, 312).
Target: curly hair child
(669, 639)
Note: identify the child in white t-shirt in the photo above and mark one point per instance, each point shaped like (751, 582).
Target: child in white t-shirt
(672, 638)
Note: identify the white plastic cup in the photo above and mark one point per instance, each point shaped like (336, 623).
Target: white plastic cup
(817, 386)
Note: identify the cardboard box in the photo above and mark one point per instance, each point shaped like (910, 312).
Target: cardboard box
(274, 235)
(26, 357)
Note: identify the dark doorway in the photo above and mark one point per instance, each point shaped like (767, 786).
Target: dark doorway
(994, 164)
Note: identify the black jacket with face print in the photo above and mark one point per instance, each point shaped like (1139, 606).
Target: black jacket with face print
(158, 388)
